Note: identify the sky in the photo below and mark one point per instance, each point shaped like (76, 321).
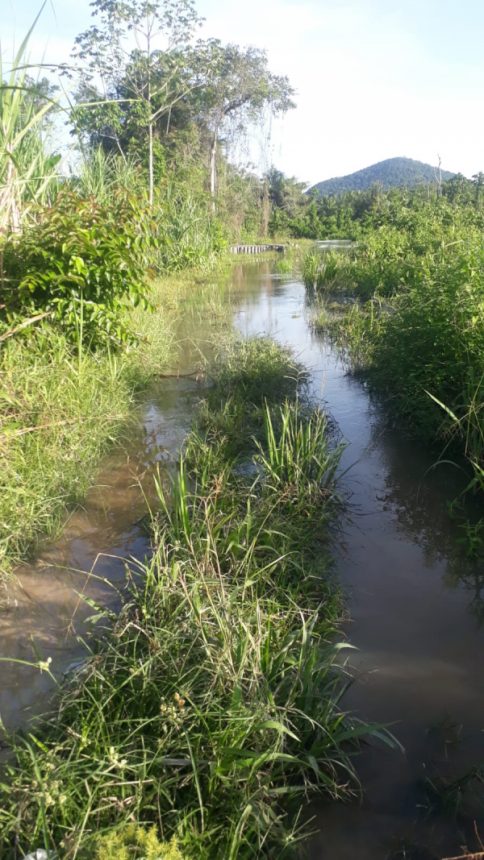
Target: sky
(374, 79)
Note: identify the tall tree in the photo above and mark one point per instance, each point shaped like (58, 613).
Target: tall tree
(239, 88)
(132, 56)
(141, 73)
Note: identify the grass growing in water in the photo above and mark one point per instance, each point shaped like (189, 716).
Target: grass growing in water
(60, 409)
(210, 710)
(425, 347)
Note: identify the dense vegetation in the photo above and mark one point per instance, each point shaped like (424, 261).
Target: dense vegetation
(210, 710)
(355, 214)
(152, 193)
(391, 173)
(417, 329)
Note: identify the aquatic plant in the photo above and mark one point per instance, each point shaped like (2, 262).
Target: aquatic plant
(326, 270)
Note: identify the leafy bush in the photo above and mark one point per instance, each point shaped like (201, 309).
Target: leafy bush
(81, 262)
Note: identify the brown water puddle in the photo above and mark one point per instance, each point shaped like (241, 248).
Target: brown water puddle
(415, 605)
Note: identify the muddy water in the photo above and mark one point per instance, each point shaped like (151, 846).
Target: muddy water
(414, 604)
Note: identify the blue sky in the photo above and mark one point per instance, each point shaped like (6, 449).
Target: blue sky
(374, 78)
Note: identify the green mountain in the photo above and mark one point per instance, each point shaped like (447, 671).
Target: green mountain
(389, 173)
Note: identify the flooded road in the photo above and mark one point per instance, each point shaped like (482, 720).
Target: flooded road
(414, 604)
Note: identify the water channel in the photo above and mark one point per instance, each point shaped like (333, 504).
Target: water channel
(414, 604)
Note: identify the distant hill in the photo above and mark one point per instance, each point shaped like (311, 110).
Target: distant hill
(390, 173)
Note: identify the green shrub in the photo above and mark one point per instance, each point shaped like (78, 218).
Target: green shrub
(81, 262)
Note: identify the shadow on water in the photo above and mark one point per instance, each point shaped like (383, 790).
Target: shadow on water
(414, 602)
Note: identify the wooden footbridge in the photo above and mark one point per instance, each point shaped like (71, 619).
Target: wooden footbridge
(256, 249)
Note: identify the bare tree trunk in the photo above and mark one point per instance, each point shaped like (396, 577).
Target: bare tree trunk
(213, 170)
(266, 209)
(151, 180)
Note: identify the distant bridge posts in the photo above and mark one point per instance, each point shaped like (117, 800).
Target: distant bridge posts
(256, 249)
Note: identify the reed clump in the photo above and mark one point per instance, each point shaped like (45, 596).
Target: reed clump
(210, 707)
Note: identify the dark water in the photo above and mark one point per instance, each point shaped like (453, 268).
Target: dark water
(413, 601)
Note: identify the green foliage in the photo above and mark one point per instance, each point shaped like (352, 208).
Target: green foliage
(419, 338)
(27, 169)
(81, 262)
(433, 342)
(325, 270)
(106, 176)
(297, 461)
(257, 371)
(408, 212)
(187, 234)
(59, 414)
(152, 96)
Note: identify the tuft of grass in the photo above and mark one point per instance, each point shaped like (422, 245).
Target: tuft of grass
(210, 709)
(326, 271)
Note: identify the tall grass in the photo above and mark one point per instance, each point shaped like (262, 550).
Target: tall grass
(422, 347)
(211, 709)
(103, 176)
(26, 168)
(184, 232)
(61, 408)
(326, 270)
